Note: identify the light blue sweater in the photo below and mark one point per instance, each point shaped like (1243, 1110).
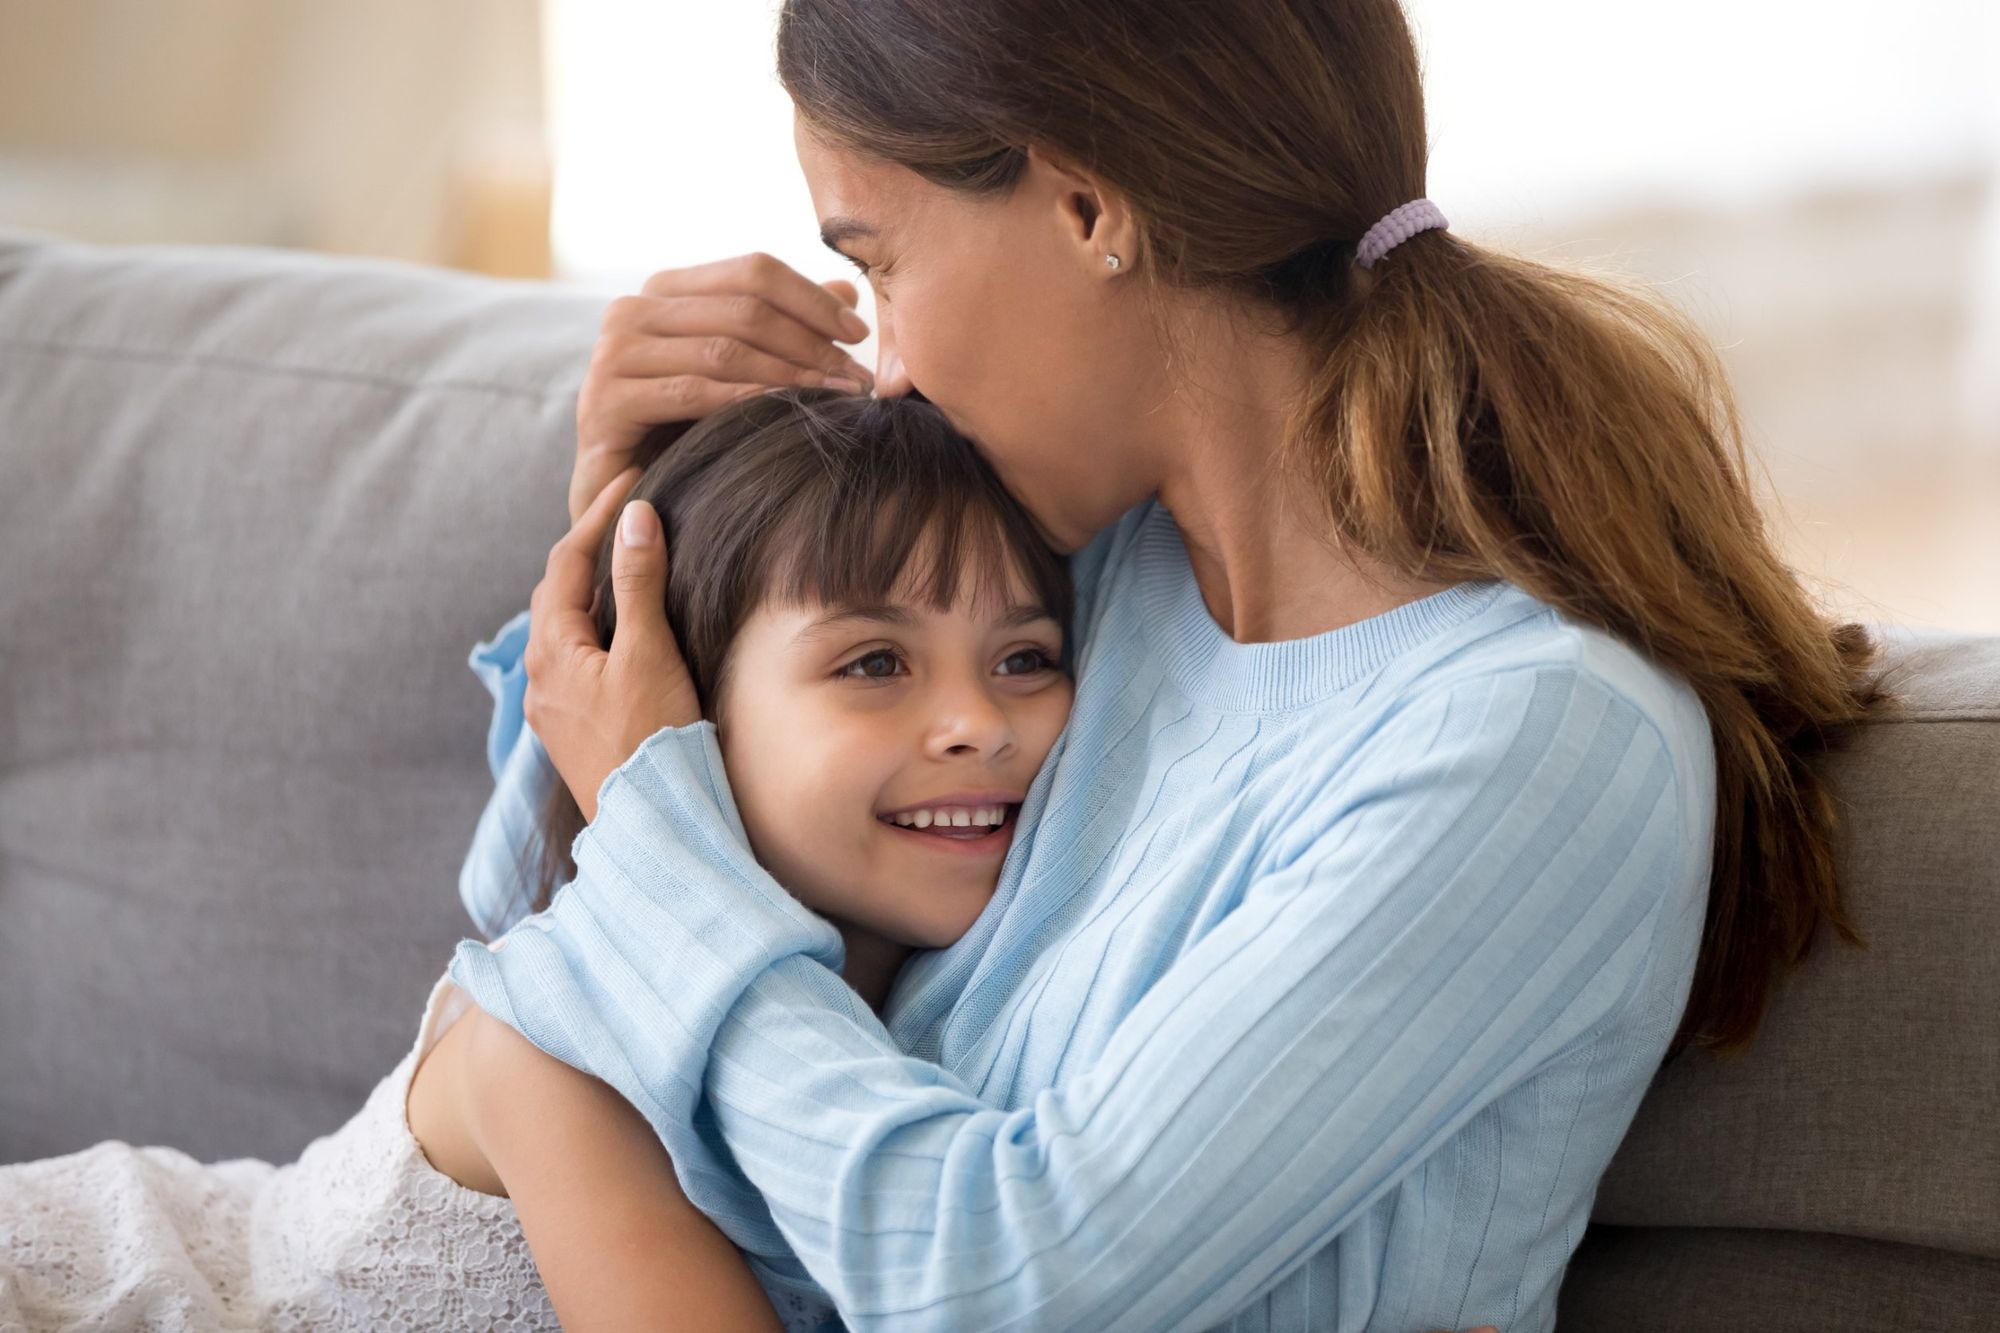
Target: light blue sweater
(1319, 986)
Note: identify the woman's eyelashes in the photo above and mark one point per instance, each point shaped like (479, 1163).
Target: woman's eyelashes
(1039, 660)
(871, 274)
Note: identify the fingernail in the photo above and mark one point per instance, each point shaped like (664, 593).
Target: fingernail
(639, 524)
(853, 325)
(844, 384)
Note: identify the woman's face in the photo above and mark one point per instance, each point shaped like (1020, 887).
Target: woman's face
(832, 725)
(1003, 313)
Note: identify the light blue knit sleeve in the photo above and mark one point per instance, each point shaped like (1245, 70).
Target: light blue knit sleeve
(1467, 895)
(494, 882)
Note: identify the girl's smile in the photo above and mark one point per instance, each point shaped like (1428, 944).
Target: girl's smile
(928, 721)
(972, 824)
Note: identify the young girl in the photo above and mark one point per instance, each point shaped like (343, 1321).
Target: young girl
(877, 630)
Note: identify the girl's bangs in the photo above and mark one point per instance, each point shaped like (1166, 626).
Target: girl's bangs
(931, 550)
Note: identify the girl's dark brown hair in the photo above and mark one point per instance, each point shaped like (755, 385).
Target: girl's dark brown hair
(1474, 415)
(814, 498)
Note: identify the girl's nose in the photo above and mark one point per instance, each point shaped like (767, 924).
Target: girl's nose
(971, 723)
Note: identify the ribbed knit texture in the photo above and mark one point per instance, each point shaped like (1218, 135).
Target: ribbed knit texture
(1320, 984)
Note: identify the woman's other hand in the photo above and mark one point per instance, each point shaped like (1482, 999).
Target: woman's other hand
(696, 338)
(591, 708)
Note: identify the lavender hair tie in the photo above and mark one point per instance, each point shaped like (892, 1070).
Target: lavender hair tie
(1401, 224)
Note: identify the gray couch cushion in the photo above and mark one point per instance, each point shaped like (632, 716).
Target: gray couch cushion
(1722, 1280)
(255, 507)
(1867, 1105)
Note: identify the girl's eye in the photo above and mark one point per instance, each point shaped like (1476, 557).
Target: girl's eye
(878, 655)
(1043, 662)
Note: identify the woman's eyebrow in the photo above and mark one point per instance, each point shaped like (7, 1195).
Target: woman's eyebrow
(837, 229)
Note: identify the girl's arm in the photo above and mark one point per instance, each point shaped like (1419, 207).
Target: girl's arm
(617, 1243)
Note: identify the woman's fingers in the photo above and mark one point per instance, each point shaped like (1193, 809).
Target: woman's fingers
(774, 281)
(559, 622)
(643, 642)
(691, 344)
(848, 293)
(723, 357)
(650, 323)
(697, 339)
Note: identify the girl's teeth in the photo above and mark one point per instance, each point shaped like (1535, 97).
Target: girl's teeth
(986, 816)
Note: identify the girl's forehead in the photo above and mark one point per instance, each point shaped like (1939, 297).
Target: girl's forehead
(994, 606)
(983, 589)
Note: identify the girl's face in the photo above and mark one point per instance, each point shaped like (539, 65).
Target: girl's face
(832, 724)
(1004, 315)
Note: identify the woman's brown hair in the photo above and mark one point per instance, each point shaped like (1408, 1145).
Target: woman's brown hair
(1474, 415)
(807, 497)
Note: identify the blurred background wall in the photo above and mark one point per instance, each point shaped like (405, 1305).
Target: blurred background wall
(1818, 181)
(413, 129)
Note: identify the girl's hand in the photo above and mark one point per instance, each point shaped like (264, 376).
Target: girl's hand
(589, 707)
(697, 338)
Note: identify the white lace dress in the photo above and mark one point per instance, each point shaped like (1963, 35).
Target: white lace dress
(360, 1233)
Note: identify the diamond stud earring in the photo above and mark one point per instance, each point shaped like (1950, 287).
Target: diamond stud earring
(1112, 261)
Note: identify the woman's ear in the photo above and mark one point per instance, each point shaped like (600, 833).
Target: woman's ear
(1093, 215)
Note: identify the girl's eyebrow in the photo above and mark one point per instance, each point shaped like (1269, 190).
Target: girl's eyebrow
(1013, 617)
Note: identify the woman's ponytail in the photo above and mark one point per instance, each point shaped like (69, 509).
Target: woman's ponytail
(1482, 416)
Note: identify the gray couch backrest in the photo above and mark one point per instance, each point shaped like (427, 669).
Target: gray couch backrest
(255, 509)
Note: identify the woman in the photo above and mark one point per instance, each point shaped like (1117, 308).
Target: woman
(1439, 760)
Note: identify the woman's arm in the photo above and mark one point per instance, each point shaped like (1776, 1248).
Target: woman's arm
(1477, 896)
(617, 1243)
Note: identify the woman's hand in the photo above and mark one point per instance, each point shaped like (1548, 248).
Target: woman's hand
(589, 707)
(697, 338)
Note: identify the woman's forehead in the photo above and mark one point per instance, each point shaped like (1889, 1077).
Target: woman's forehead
(849, 186)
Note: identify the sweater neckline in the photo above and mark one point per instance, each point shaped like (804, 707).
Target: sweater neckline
(1217, 671)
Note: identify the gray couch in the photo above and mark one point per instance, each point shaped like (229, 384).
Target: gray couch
(256, 507)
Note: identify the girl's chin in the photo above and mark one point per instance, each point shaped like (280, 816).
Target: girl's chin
(934, 929)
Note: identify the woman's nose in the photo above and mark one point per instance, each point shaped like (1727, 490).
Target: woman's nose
(890, 379)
